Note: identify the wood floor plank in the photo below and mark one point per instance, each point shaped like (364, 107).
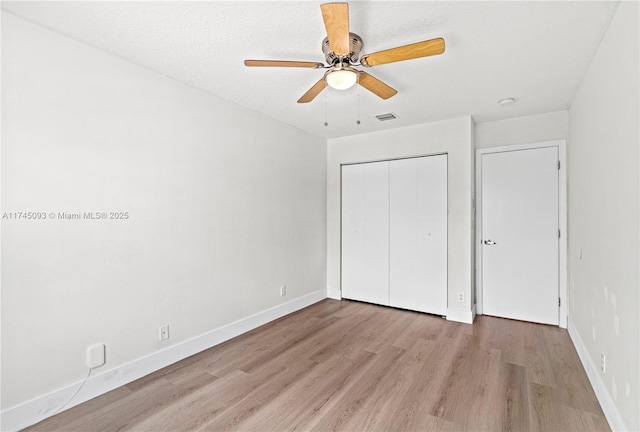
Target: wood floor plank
(197, 408)
(512, 399)
(354, 399)
(131, 408)
(350, 366)
(417, 329)
(344, 335)
(379, 412)
(310, 398)
(503, 335)
(67, 420)
(538, 362)
(264, 346)
(463, 380)
(426, 391)
(233, 417)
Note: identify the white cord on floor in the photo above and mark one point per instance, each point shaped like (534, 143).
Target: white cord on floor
(74, 395)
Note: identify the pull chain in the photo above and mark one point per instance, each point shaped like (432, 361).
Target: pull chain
(358, 97)
(325, 109)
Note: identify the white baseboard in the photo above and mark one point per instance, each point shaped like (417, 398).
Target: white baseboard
(462, 316)
(34, 411)
(600, 389)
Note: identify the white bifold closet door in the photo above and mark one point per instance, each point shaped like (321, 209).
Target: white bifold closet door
(394, 233)
(365, 232)
(418, 234)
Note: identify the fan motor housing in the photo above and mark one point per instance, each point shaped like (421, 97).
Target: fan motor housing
(355, 45)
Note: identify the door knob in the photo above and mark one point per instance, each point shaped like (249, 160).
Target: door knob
(489, 242)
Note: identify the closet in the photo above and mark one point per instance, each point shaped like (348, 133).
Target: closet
(394, 233)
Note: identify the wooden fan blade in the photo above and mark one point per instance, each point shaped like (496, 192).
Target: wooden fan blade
(374, 85)
(313, 91)
(336, 21)
(283, 63)
(406, 52)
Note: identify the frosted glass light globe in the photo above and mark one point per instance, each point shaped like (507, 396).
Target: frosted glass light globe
(341, 79)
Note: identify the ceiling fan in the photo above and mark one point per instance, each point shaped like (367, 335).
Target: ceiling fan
(342, 49)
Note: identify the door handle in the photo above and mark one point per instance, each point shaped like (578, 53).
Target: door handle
(489, 242)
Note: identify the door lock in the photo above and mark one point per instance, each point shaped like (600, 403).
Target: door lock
(489, 242)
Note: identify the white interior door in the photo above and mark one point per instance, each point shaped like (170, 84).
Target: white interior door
(520, 258)
(365, 232)
(418, 234)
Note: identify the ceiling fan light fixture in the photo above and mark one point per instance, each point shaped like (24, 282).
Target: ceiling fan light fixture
(341, 78)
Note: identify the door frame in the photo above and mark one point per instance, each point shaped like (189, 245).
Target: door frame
(562, 220)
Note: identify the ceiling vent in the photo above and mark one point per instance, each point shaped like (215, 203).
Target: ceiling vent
(387, 116)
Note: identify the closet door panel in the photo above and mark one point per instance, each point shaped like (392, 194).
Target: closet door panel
(365, 232)
(418, 234)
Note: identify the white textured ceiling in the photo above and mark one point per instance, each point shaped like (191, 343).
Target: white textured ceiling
(536, 52)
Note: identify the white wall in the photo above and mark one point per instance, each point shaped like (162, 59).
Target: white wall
(522, 130)
(604, 219)
(224, 206)
(454, 137)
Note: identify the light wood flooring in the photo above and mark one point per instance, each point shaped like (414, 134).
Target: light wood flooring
(349, 366)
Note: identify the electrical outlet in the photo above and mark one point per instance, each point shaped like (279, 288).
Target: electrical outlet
(460, 297)
(283, 290)
(95, 356)
(164, 332)
(603, 362)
